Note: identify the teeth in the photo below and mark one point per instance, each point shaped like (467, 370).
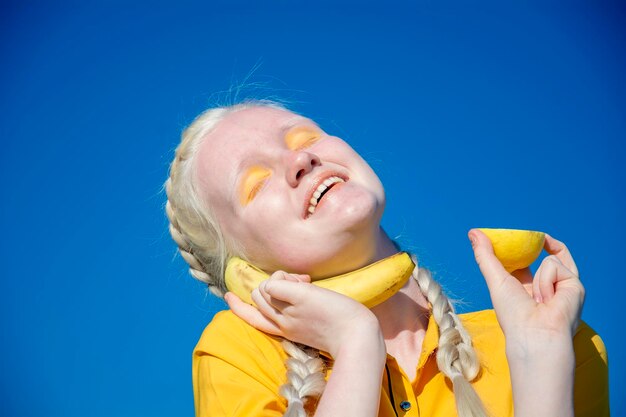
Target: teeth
(319, 190)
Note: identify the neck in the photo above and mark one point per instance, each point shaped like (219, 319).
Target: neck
(384, 246)
(406, 312)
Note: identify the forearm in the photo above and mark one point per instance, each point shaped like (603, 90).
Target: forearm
(353, 388)
(542, 375)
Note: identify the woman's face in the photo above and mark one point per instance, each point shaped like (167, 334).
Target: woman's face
(292, 196)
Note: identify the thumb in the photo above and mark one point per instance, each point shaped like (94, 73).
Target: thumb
(286, 276)
(301, 277)
(491, 268)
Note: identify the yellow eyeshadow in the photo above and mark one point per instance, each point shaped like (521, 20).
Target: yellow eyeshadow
(252, 183)
(301, 137)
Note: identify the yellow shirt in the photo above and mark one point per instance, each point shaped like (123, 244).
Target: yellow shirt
(237, 371)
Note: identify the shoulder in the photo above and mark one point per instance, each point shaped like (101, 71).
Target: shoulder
(588, 343)
(484, 317)
(591, 383)
(487, 338)
(591, 354)
(482, 324)
(237, 370)
(224, 325)
(227, 336)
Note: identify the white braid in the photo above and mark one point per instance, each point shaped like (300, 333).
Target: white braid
(305, 378)
(456, 357)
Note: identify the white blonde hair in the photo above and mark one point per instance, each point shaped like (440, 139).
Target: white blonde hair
(205, 248)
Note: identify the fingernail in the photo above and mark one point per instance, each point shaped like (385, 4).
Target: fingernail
(538, 299)
(472, 239)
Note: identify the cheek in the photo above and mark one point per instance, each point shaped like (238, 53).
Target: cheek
(271, 241)
(263, 228)
(360, 171)
(338, 151)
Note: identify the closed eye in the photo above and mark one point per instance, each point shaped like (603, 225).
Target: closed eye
(252, 183)
(255, 189)
(308, 142)
(302, 137)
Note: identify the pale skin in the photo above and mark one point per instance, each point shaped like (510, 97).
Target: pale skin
(258, 176)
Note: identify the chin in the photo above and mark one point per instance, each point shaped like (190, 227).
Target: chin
(363, 214)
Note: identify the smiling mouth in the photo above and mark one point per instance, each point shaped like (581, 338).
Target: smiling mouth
(320, 191)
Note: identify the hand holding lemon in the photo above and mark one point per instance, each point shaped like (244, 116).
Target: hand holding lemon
(538, 322)
(554, 302)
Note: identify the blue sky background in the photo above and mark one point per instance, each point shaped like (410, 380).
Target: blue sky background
(473, 114)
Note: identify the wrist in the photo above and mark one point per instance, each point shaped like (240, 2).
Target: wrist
(363, 340)
(542, 375)
(538, 346)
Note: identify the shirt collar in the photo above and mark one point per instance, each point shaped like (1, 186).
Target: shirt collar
(431, 341)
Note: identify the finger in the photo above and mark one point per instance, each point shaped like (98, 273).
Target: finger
(552, 275)
(282, 275)
(550, 266)
(546, 278)
(558, 249)
(539, 279)
(570, 296)
(291, 277)
(301, 277)
(278, 305)
(287, 291)
(569, 293)
(251, 315)
(489, 265)
(278, 275)
(263, 305)
(504, 289)
(536, 290)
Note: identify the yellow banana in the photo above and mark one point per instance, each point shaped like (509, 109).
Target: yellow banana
(516, 249)
(370, 285)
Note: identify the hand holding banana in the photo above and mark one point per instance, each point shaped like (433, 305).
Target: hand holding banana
(289, 306)
(370, 285)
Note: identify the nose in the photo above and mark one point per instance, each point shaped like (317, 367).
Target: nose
(299, 164)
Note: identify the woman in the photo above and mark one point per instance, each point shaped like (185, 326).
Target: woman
(244, 183)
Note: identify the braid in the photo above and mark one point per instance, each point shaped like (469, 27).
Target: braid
(456, 357)
(185, 217)
(305, 378)
(193, 226)
(196, 268)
